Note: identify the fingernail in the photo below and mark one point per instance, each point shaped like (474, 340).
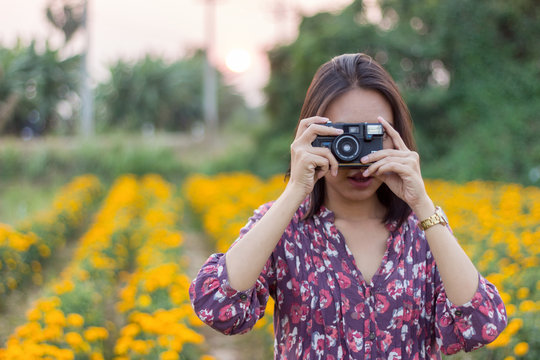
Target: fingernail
(365, 173)
(364, 159)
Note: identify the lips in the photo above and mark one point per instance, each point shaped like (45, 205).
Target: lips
(358, 177)
(359, 181)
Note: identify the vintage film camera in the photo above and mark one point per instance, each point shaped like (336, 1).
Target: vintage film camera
(356, 141)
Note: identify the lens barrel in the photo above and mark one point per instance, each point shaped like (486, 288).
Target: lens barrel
(346, 147)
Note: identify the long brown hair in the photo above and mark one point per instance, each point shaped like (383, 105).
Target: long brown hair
(338, 76)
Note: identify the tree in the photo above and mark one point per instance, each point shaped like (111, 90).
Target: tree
(152, 92)
(466, 68)
(32, 87)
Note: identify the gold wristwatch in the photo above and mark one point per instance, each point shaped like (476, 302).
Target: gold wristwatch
(438, 218)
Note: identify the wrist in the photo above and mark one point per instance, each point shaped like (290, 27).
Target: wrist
(294, 193)
(424, 208)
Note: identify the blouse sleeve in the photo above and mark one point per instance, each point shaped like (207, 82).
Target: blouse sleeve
(471, 325)
(219, 305)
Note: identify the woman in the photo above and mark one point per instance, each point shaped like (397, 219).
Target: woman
(360, 262)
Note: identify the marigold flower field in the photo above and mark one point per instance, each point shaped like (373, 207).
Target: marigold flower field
(124, 294)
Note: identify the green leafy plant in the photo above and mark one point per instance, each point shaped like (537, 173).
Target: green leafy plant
(33, 85)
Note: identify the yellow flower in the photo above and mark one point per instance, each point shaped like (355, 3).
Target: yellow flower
(140, 347)
(64, 287)
(521, 349)
(144, 300)
(522, 293)
(63, 354)
(514, 325)
(11, 283)
(502, 340)
(527, 306)
(130, 330)
(55, 317)
(44, 251)
(122, 346)
(53, 333)
(510, 309)
(169, 355)
(21, 242)
(74, 340)
(94, 333)
(33, 314)
(163, 341)
(96, 356)
(75, 320)
(207, 357)
(505, 297)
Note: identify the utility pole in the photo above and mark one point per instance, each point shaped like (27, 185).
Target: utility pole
(87, 98)
(210, 105)
(284, 21)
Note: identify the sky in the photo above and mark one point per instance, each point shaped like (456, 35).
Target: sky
(129, 29)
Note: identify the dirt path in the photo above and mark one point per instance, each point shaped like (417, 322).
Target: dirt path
(238, 347)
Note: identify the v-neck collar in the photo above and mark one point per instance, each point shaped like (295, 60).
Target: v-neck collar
(392, 253)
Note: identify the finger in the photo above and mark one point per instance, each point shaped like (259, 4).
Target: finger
(305, 123)
(317, 129)
(319, 165)
(325, 152)
(308, 136)
(394, 135)
(401, 170)
(407, 164)
(381, 154)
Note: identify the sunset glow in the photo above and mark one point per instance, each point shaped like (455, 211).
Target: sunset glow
(238, 60)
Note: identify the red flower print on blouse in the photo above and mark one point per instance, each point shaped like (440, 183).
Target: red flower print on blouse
(325, 298)
(344, 281)
(298, 313)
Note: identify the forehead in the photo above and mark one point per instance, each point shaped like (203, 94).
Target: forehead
(359, 105)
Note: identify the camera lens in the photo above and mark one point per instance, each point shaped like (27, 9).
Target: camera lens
(346, 148)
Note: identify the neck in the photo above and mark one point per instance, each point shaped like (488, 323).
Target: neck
(369, 209)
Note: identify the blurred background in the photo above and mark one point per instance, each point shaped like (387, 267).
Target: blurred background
(95, 73)
(210, 86)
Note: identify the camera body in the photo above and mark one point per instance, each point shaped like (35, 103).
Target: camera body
(357, 140)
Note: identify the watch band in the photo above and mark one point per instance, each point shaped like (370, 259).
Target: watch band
(437, 218)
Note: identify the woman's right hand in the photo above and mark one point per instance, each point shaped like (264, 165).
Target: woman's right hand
(308, 163)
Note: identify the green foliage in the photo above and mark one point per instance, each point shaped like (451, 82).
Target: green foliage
(38, 93)
(467, 69)
(151, 93)
(106, 160)
(32, 86)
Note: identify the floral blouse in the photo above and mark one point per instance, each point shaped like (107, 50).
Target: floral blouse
(324, 309)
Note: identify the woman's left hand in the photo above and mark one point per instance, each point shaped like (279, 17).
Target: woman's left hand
(399, 169)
